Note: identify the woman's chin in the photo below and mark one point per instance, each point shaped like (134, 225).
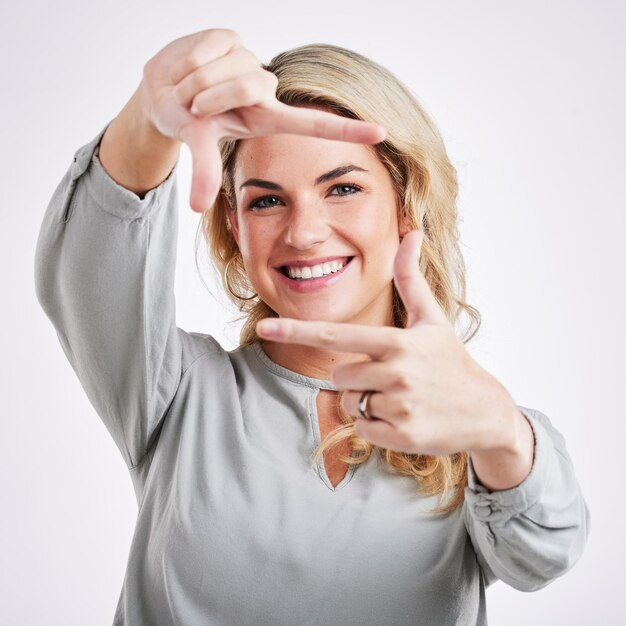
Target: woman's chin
(336, 316)
(314, 316)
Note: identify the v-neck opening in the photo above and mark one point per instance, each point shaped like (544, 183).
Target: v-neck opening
(320, 464)
(314, 386)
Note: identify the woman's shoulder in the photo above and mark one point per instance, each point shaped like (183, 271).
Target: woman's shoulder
(201, 347)
(197, 346)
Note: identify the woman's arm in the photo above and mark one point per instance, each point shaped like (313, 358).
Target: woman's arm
(106, 252)
(105, 278)
(529, 535)
(133, 151)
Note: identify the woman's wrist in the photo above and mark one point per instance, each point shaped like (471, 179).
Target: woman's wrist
(507, 464)
(133, 151)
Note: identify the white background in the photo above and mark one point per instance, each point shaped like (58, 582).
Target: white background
(531, 100)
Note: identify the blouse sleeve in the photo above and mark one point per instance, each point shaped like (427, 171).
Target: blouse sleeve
(104, 271)
(529, 535)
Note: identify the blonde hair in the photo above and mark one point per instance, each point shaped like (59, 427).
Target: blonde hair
(353, 86)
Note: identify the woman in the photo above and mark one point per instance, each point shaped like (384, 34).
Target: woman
(430, 482)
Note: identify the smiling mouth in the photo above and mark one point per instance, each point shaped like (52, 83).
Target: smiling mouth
(309, 272)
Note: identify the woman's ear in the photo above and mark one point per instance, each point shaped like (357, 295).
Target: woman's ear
(231, 212)
(404, 224)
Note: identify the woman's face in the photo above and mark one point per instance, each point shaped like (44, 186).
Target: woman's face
(316, 222)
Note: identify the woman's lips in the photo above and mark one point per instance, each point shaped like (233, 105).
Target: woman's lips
(305, 276)
(312, 270)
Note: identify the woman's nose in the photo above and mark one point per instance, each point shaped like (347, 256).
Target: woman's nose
(307, 227)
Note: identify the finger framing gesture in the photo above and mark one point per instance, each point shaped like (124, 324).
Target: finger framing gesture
(429, 396)
(206, 87)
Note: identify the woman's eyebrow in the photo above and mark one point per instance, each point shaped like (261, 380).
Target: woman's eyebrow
(337, 172)
(258, 182)
(324, 178)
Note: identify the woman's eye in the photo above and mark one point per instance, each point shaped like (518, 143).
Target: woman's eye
(266, 202)
(344, 190)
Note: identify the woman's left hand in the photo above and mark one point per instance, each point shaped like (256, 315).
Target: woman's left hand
(429, 395)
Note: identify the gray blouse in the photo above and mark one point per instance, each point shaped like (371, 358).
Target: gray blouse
(236, 525)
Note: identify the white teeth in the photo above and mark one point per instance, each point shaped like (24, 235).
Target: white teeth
(314, 271)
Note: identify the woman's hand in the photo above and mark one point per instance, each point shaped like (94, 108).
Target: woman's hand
(206, 87)
(430, 396)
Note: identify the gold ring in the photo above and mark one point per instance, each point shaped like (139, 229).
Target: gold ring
(362, 405)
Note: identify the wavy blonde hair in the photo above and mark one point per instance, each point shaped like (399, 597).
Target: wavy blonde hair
(425, 182)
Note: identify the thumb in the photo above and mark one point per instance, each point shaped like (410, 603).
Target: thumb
(206, 177)
(418, 299)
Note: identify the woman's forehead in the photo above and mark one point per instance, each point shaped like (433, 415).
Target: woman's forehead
(278, 155)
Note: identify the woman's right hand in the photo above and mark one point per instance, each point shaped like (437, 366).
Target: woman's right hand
(206, 87)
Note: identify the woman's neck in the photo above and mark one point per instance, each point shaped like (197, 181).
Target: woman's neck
(308, 361)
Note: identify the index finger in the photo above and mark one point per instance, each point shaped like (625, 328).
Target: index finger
(300, 120)
(376, 342)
